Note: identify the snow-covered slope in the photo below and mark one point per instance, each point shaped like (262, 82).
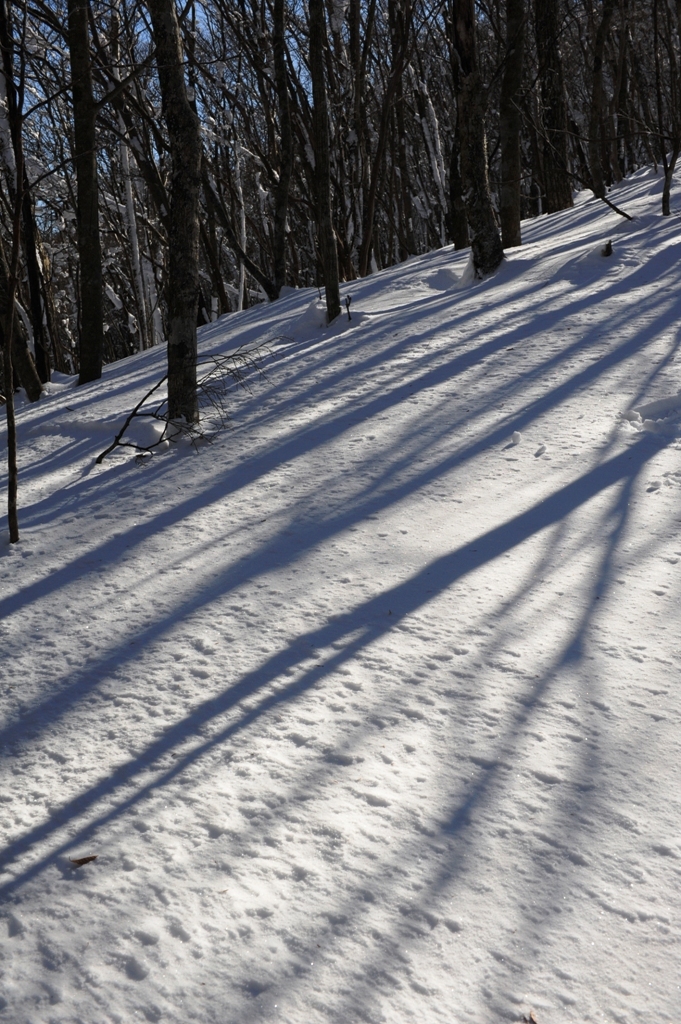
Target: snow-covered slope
(370, 710)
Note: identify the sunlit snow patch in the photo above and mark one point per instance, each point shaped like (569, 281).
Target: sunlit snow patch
(60, 382)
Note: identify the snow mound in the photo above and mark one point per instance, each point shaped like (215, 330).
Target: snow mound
(311, 323)
(443, 279)
(662, 416)
(145, 431)
(311, 320)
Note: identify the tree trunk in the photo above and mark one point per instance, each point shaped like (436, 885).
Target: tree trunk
(406, 233)
(12, 517)
(557, 186)
(359, 48)
(597, 111)
(22, 360)
(11, 155)
(485, 240)
(17, 355)
(285, 146)
(405, 19)
(322, 175)
(8, 351)
(614, 129)
(129, 209)
(242, 299)
(406, 243)
(430, 129)
(183, 233)
(668, 176)
(211, 250)
(458, 224)
(510, 121)
(9, 282)
(668, 164)
(88, 239)
(42, 352)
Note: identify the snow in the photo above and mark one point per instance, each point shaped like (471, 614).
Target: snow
(368, 711)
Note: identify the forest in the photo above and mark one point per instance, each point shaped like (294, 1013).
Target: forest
(346, 696)
(163, 165)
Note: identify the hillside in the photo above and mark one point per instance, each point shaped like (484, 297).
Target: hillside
(370, 709)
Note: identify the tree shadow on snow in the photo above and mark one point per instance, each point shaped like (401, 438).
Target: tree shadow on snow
(348, 633)
(342, 637)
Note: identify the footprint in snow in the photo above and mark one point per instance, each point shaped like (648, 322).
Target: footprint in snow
(136, 969)
(299, 740)
(204, 646)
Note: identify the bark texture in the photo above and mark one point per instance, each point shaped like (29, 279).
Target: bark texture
(12, 473)
(285, 146)
(458, 224)
(399, 42)
(668, 162)
(556, 180)
(322, 175)
(360, 40)
(35, 287)
(510, 121)
(183, 222)
(22, 359)
(17, 357)
(485, 239)
(597, 111)
(87, 195)
(400, 17)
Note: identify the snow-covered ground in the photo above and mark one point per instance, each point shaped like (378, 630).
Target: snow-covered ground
(369, 710)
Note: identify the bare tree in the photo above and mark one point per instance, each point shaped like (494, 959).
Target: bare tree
(285, 146)
(555, 176)
(400, 18)
(183, 228)
(510, 123)
(322, 170)
(91, 327)
(485, 240)
(597, 112)
(393, 108)
(672, 137)
(17, 354)
(15, 96)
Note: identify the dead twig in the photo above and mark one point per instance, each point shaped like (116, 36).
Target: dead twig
(222, 373)
(117, 439)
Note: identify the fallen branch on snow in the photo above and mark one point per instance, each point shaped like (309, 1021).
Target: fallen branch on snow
(212, 389)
